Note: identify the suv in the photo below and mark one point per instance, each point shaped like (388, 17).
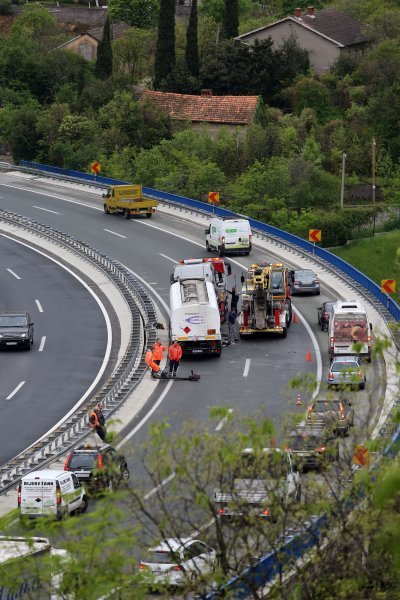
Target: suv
(312, 447)
(16, 330)
(336, 414)
(99, 467)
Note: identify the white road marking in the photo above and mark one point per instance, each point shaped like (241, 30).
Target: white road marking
(200, 529)
(246, 367)
(153, 282)
(159, 486)
(146, 417)
(115, 233)
(46, 210)
(19, 386)
(39, 306)
(223, 421)
(42, 343)
(14, 274)
(169, 258)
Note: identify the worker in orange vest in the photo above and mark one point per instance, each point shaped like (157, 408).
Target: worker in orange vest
(174, 355)
(158, 352)
(95, 424)
(149, 360)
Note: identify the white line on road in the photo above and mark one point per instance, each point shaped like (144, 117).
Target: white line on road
(39, 306)
(46, 210)
(159, 486)
(14, 274)
(19, 386)
(146, 417)
(169, 258)
(115, 233)
(246, 367)
(223, 421)
(42, 343)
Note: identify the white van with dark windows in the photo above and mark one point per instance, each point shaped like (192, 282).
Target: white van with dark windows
(51, 492)
(227, 235)
(350, 333)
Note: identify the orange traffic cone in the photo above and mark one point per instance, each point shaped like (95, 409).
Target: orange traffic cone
(308, 356)
(298, 400)
(295, 319)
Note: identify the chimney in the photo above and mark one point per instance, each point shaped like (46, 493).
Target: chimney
(310, 11)
(206, 92)
(297, 13)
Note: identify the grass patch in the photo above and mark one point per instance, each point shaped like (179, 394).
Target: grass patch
(376, 257)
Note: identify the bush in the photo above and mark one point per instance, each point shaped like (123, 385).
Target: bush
(5, 7)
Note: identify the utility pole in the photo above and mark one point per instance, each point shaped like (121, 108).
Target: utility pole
(373, 169)
(344, 155)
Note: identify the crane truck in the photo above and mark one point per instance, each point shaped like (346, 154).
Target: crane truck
(266, 303)
(215, 270)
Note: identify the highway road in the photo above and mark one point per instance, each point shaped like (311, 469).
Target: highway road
(250, 375)
(38, 387)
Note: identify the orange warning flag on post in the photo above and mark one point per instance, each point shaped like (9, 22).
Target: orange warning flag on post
(213, 197)
(314, 235)
(388, 286)
(361, 456)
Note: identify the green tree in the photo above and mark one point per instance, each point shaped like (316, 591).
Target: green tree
(23, 137)
(37, 25)
(230, 20)
(141, 14)
(165, 49)
(104, 60)
(192, 51)
(134, 52)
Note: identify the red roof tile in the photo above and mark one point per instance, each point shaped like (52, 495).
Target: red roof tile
(237, 110)
(117, 31)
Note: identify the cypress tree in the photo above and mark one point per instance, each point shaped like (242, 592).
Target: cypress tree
(165, 49)
(104, 62)
(230, 20)
(192, 51)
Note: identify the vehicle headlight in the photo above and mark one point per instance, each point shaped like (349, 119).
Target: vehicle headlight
(24, 335)
(1, 335)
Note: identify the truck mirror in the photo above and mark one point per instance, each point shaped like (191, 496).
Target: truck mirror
(207, 230)
(229, 269)
(104, 194)
(371, 326)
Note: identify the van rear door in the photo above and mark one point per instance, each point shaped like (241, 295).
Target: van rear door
(38, 496)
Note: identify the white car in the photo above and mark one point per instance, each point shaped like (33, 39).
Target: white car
(177, 561)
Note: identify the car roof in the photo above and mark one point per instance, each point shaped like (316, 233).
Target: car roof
(344, 359)
(305, 271)
(171, 544)
(326, 401)
(91, 448)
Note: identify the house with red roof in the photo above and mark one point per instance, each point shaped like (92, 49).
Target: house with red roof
(325, 34)
(235, 113)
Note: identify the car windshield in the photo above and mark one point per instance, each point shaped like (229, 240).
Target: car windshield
(10, 321)
(344, 366)
(329, 307)
(328, 405)
(164, 557)
(82, 461)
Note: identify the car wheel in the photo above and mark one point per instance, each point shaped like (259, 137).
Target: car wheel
(221, 251)
(317, 293)
(83, 505)
(125, 474)
(208, 247)
(148, 215)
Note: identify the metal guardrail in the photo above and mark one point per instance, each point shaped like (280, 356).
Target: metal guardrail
(297, 544)
(123, 380)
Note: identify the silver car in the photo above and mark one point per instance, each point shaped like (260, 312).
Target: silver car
(347, 370)
(305, 281)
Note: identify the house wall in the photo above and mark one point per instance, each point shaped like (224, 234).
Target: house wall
(85, 46)
(213, 128)
(322, 52)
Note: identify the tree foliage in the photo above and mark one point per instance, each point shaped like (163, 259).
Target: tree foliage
(192, 51)
(104, 60)
(141, 14)
(165, 49)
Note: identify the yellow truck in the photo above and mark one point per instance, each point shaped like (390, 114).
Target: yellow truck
(128, 200)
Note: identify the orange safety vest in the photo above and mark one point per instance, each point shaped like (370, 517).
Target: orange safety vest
(175, 352)
(148, 358)
(158, 352)
(96, 420)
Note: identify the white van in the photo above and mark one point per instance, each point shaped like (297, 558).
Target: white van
(228, 236)
(51, 492)
(350, 333)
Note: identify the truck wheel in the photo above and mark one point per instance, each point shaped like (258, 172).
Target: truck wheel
(221, 251)
(208, 247)
(127, 214)
(148, 215)
(284, 332)
(106, 210)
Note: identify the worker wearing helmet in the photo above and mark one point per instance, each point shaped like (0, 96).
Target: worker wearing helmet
(174, 355)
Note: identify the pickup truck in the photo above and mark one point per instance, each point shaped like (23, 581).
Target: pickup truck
(260, 480)
(128, 200)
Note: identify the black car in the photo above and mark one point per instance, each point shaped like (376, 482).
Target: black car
(98, 467)
(312, 447)
(324, 314)
(304, 281)
(16, 330)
